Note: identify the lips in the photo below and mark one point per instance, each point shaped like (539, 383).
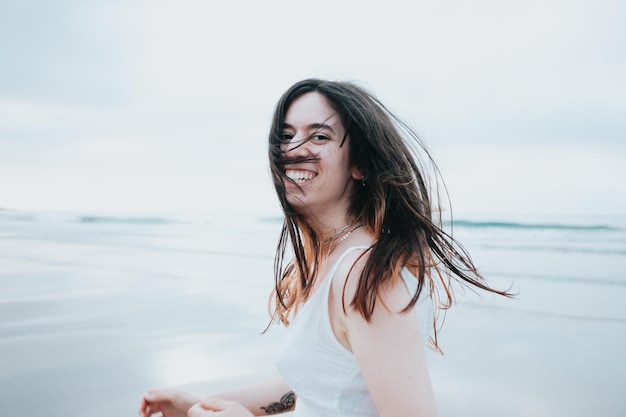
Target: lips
(299, 176)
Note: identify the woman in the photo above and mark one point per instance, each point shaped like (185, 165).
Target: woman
(368, 261)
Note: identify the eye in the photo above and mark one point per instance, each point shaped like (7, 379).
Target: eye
(286, 137)
(320, 138)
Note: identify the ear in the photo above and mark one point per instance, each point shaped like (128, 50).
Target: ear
(356, 174)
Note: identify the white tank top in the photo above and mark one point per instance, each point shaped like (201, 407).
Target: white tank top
(323, 374)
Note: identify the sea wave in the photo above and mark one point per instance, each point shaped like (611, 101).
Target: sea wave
(620, 251)
(126, 220)
(548, 314)
(63, 217)
(501, 225)
(529, 226)
(595, 281)
(161, 219)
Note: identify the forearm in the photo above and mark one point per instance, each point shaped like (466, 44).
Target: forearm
(269, 397)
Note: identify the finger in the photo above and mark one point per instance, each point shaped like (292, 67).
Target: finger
(215, 404)
(152, 409)
(144, 408)
(156, 395)
(151, 399)
(197, 410)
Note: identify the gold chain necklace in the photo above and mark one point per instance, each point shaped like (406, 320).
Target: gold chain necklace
(333, 237)
(344, 237)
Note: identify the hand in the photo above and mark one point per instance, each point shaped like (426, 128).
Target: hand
(218, 408)
(171, 403)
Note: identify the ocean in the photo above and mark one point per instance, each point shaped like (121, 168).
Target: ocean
(95, 308)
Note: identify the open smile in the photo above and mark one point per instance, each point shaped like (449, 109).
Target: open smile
(299, 176)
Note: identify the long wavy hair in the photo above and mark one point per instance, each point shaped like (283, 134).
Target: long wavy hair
(394, 202)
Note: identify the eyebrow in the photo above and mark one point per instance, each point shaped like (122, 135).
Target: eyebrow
(313, 126)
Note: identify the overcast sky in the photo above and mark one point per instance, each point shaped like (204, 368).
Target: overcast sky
(165, 105)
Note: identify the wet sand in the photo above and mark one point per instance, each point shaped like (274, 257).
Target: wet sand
(86, 326)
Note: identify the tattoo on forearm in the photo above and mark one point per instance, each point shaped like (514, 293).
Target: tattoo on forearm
(286, 403)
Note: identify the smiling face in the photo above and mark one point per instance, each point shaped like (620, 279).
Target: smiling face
(320, 178)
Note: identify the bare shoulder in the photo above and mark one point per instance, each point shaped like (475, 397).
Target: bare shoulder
(392, 296)
(346, 276)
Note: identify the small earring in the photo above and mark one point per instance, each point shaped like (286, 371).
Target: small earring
(363, 180)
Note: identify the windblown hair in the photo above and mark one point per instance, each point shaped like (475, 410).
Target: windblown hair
(394, 203)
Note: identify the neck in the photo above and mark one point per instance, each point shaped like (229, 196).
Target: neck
(334, 229)
(340, 237)
(327, 219)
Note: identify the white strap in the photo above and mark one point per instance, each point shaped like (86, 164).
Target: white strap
(331, 273)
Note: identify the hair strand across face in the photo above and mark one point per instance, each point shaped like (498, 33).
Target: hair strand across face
(395, 203)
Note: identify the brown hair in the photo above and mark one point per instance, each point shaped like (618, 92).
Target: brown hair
(394, 203)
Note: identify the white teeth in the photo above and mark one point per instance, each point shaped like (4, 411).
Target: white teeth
(299, 176)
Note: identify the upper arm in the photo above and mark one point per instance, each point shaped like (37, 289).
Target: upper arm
(391, 354)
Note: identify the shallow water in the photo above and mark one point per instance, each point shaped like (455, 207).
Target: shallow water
(95, 309)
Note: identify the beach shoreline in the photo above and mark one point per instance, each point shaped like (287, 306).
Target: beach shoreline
(107, 309)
